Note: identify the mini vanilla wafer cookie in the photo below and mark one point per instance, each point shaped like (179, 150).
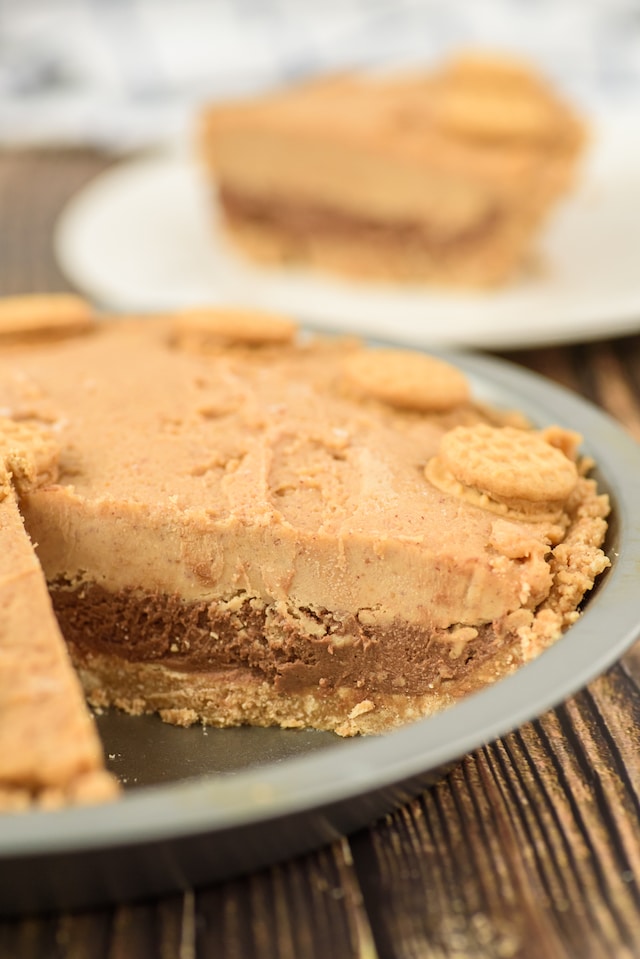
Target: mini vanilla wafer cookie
(504, 469)
(489, 115)
(486, 70)
(50, 753)
(48, 315)
(406, 380)
(493, 99)
(206, 327)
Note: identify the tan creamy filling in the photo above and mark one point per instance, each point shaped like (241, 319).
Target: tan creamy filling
(423, 582)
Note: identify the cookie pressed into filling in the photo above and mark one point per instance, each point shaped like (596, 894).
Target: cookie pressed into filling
(249, 526)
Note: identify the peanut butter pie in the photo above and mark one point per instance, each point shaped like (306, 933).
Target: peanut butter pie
(442, 177)
(248, 526)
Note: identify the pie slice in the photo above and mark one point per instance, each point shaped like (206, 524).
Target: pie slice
(443, 177)
(50, 753)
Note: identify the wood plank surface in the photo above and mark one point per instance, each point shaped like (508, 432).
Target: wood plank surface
(529, 849)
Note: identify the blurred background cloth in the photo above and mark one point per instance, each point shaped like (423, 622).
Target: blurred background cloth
(124, 74)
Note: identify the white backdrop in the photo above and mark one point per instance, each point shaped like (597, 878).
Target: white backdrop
(128, 73)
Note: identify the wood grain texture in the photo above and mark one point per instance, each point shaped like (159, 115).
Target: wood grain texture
(529, 849)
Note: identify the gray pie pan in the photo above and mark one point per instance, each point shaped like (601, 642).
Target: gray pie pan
(203, 805)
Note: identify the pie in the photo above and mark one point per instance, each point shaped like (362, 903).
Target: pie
(247, 525)
(442, 177)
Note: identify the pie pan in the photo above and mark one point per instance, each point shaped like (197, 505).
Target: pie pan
(201, 805)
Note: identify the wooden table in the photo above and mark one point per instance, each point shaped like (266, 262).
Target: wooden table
(529, 849)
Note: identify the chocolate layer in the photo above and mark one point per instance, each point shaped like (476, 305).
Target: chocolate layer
(299, 220)
(203, 637)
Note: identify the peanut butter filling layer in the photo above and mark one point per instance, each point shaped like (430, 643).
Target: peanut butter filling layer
(257, 469)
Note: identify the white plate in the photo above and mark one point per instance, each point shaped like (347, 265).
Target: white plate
(142, 237)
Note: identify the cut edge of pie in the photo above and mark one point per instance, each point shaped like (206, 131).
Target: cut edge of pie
(442, 177)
